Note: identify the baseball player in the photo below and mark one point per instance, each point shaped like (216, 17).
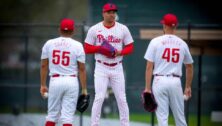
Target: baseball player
(109, 70)
(65, 59)
(165, 56)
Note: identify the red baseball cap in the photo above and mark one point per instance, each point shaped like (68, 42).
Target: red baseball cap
(67, 24)
(109, 7)
(169, 20)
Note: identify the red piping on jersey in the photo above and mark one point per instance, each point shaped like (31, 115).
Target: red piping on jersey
(127, 49)
(90, 49)
(109, 26)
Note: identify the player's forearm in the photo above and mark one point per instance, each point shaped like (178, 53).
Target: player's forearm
(90, 49)
(43, 73)
(189, 75)
(127, 49)
(82, 78)
(149, 71)
(43, 77)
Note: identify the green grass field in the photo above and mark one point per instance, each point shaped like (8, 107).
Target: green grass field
(146, 118)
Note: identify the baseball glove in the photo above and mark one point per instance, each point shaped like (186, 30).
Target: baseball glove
(83, 102)
(107, 49)
(149, 102)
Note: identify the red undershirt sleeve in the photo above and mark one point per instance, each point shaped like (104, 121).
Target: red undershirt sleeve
(127, 49)
(90, 49)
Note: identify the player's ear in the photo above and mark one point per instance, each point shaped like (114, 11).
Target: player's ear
(103, 14)
(73, 32)
(59, 30)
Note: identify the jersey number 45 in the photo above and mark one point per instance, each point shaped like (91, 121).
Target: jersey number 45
(171, 55)
(61, 57)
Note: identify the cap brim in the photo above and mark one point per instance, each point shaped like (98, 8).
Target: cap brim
(110, 10)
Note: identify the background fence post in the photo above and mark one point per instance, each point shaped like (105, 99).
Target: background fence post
(199, 87)
(26, 72)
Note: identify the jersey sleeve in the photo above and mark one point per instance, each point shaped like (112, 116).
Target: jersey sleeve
(90, 37)
(81, 55)
(150, 52)
(127, 36)
(187, 57)
(44, 54)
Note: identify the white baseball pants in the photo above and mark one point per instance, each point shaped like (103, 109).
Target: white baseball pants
(62, 99)
(168, 93)
(113, 76)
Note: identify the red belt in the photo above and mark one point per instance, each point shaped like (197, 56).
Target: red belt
(57, 75)
(108, 64)
(168, 75)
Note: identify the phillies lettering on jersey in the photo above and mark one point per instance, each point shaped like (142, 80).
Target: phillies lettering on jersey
(110, 39)
(117, 36)
(63, 54)
(168, 51)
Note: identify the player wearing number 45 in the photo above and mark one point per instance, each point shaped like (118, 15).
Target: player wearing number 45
(165, 56)
(65, 59)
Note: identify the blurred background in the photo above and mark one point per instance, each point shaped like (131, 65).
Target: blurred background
(25, 25)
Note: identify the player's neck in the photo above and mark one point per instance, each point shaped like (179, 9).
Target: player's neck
(169, 31)
(108, 24)
(66, 36)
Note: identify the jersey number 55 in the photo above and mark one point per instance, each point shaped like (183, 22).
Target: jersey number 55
(62, 57)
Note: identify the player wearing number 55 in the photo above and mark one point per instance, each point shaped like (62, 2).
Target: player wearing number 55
(65, 59)
(165, 56)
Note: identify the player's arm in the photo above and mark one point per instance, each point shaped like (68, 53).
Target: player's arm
(128, 49)
(89, 46)
(128, 42)
(189, 78)
(82, 76)
(91, 49)
(148, 77)
(43, 75)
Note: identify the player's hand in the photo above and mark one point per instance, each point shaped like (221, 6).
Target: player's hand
(84, 91)
(117, 53)
(187, 92)
(147, 90)
(43, 89)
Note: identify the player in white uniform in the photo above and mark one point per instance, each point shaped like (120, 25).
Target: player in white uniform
(166, 54)
(65, 59)
(109, 71)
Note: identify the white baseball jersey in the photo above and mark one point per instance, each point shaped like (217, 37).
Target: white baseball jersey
(168, 52)
(117, 36)
(63, 54)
